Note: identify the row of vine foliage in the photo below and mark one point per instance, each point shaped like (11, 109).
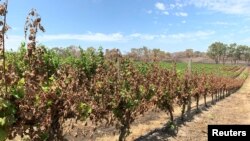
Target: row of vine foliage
(41, 88)
(48, 89)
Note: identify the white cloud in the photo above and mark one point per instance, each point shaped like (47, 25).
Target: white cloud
(84, 37)
(183, 21)
(142, 36)
(191, 35)
(116, 37)
(165, 13)
(173, 37)
(220, 23)
(182, 14)
(13, 41)
(177, 5)
(160, 6)
(135, 35)
(224, 6)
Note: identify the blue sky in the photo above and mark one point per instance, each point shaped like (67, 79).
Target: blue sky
(171, 25)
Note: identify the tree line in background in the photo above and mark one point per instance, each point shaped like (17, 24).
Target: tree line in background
(225, 53)
(219, 52)
(143, 54)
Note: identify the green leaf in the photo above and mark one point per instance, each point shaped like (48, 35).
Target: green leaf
(52, 79)
(45, 88)
(84, 109)
(21, 82)
(49, 103)
(142, 89)
(5, 104)
(18, 92)
(2, 121)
